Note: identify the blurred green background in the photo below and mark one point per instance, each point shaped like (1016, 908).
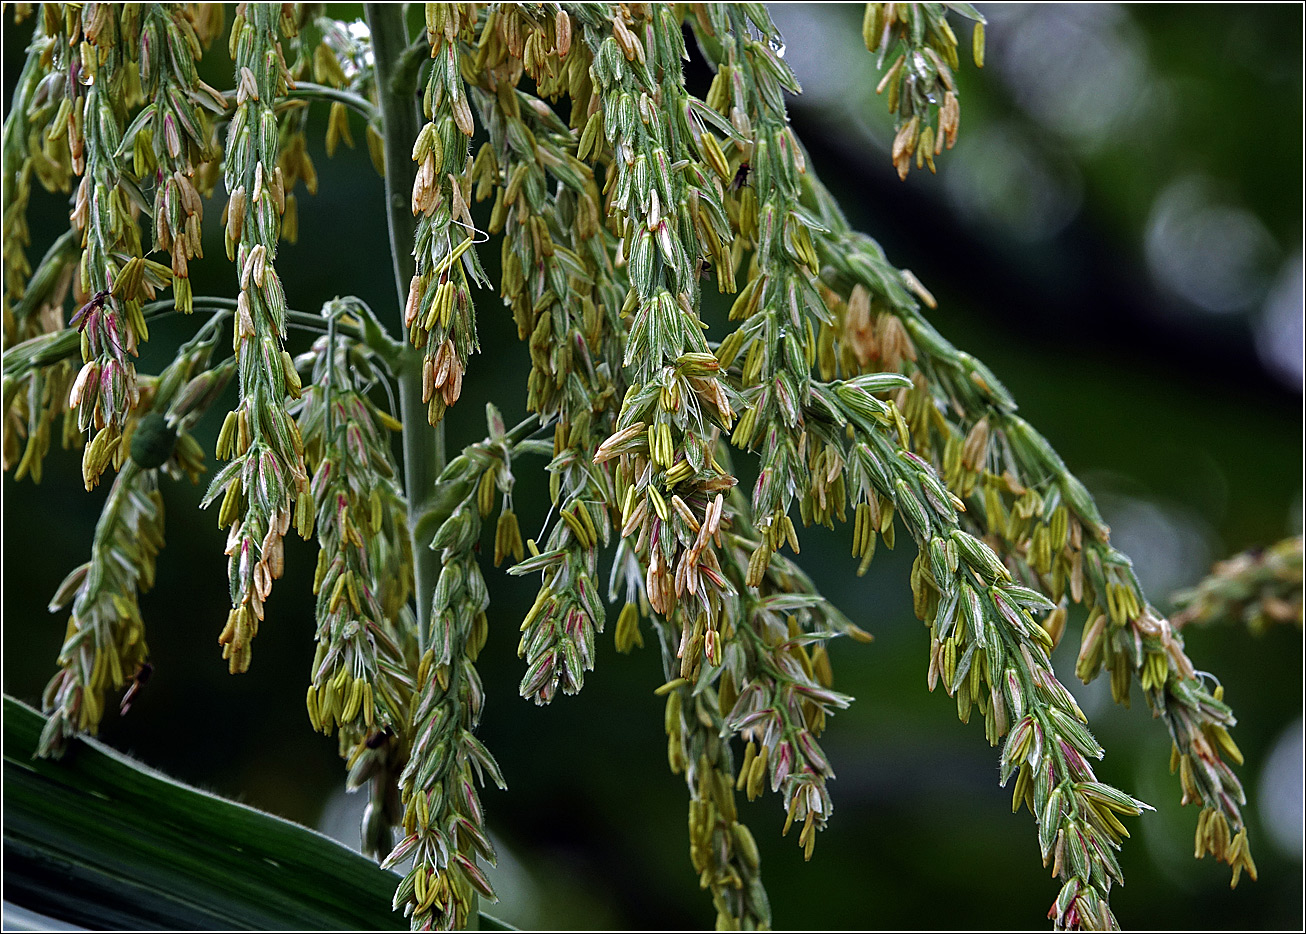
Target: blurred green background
(1117, 234)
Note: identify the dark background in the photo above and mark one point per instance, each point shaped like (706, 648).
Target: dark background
(1118, 235)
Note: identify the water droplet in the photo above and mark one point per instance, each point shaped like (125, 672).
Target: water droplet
(86, 78)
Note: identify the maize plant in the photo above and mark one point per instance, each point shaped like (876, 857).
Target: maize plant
(621, 206)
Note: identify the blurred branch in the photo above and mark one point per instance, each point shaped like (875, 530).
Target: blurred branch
(1259, 587)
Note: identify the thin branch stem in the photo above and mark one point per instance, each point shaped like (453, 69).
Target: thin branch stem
(48, 349)
(307, 91)
(424, 453)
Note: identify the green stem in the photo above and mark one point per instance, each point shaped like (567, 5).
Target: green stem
(308, 91)
(423, 448)
(412, 59)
